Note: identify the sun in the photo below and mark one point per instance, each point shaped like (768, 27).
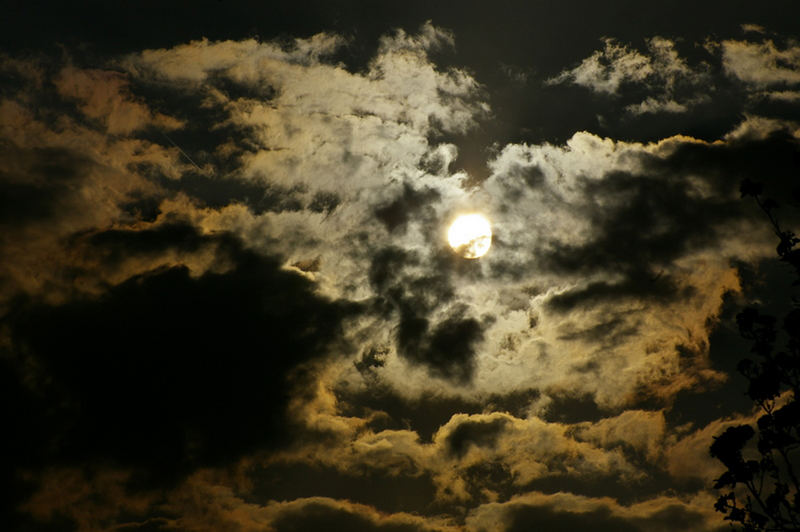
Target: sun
(470, 235)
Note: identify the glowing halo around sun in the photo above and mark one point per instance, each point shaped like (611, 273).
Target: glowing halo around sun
(470, 235)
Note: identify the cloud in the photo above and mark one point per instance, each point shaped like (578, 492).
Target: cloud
(48, 185)
(178, 331)
(296, 286)
(366, 197)
(104, 95)
(472, 458)
(673, 85)
(641, 430)
(101, 500)
(787, 96)
(167, 372)
(479, 432)
(310, 515)
(605, 71)
(615, 226)
(753, 28)
(76, 498)
(761, 64)
(661, 70)
(688, 457)
(200, 504)
(566, 510)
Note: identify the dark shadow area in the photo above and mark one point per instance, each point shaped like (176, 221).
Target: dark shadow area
(167, 371)
(313, 517)
(766, 282)
(387, 493)
(426, 415)
(540, 518)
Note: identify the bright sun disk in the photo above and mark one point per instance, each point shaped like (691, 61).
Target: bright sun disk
(470, 235)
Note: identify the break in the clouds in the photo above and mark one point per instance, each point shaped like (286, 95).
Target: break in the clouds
(228, 301)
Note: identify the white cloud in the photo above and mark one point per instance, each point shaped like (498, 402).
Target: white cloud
(604, 71)
(662, 70)
(761, 64)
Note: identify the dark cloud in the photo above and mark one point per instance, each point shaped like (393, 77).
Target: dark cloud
(116, 245)
(387, 493)
(725, 165)
(396, 214)
(168, 371)
(324, 202)
(540, 518)
(22, 415)
(608, 332)
(36, 183)
(783, 110)
(642, 223)
(600, 485)
(547, 519)
(572, 408)
(168, 367)
(490, 475)
(386, 265)
(763, 284)
(640, 286)
(650, 222)
(445, 347)
(675, 517)
(217, 192)
(312, 517)
(426, 414)
(479, 433)
(142, 207)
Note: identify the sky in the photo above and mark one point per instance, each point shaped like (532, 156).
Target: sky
(227, 299)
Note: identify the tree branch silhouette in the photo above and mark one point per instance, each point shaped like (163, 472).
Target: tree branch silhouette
(760, 487)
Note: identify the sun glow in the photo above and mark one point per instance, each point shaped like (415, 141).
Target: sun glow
(470, 235)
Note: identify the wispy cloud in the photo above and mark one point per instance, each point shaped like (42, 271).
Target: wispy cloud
(661, 70)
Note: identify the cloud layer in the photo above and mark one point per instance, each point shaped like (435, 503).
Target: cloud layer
(226, 270)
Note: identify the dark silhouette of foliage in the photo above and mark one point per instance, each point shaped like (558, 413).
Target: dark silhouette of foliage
(760, 488)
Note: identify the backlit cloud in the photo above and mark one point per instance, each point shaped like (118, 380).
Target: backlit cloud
(661, 70)
(228, 300)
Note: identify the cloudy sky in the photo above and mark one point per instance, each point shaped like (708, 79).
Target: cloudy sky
(227, 299)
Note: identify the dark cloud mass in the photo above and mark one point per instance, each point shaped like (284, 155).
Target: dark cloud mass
(552, 521)
(446, 348)
(318, 516)
(37, 182)
(477, 433)
(227, 299)
(395, 214)
(167, 372)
